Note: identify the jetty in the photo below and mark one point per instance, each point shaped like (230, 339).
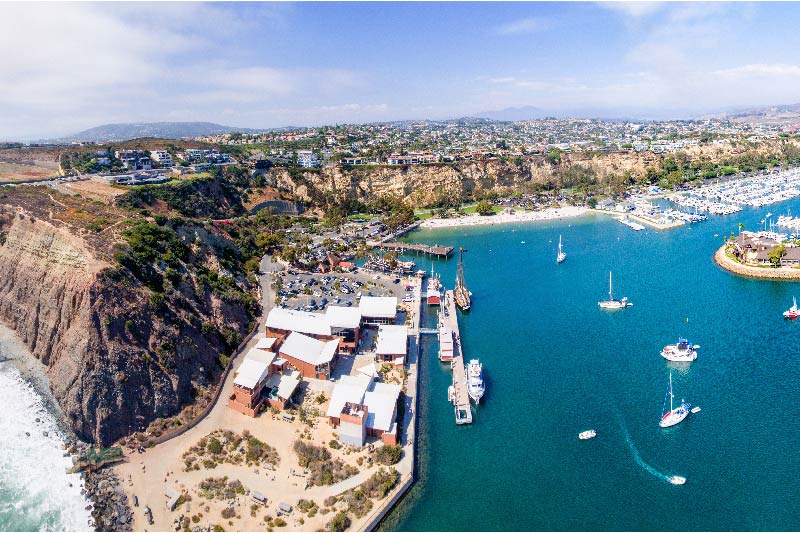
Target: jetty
(94, 459)
(435, 250)
(448, 318)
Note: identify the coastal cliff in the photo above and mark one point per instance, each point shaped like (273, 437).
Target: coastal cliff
(119, 354)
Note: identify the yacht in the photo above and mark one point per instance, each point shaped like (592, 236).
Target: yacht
(561, 255)
(612, 303)
(681, 352)
(588, 434)
(677, 480)
(475, 386)
(675, 415)
(792, 312)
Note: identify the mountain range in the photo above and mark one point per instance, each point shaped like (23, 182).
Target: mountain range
(162, 130)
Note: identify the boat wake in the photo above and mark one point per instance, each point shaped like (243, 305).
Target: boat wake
(637, 457)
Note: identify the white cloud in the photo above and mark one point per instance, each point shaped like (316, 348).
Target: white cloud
(759, 70)
(526, 25)
(633, 9)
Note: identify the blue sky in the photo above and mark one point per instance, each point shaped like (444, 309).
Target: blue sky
(69, 66)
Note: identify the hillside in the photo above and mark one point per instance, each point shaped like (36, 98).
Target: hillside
(160, 130)
(133, 317)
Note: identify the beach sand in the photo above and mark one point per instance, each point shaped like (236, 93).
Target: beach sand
(552, 213)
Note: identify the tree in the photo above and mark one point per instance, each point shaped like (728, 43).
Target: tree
(484, 209)
(391, 259)
(775, 255)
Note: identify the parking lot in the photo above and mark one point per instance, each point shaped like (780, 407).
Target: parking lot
(315, 291)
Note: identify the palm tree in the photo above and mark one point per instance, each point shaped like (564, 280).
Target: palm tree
(741, 225)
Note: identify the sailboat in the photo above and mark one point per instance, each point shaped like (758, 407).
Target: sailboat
(674, 415)
(461, 293)
(561, 255)
(792, 312)
(611, 303)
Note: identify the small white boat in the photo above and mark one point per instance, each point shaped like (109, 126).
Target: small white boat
(588, 434)
(561, 255)
(695, 410)
(612, 303)
(677, 480)
(675, 415)
(681, 352)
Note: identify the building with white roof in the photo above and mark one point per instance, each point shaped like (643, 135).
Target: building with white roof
(376, 310)
(345, 322)
(312, 357)
(392, 344)
(266, 343)
(249, 381)
(280, 387)
(361, 408)
(281, 322)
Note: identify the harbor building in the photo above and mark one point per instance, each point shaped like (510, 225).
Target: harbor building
(445, 344)
(377, 310)
(363, 408)
(392, 345)
(312, 357)
(248, 385)
(345, 323)
(282, 322)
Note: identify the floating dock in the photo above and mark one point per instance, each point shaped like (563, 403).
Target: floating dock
(460, 398)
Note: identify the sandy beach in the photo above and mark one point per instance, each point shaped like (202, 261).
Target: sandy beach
(553, 213)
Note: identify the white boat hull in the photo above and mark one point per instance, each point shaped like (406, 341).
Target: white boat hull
(676, 416)
(677, 480)
(590, 434)
(614, 304)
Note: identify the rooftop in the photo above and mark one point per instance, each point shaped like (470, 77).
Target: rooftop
(308, 349)
(343, 317)
(378, 306)
(299, 321)
(392, 340)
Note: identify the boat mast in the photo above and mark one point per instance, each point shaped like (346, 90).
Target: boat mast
(460, 275)
(610, 289)
(671, 396)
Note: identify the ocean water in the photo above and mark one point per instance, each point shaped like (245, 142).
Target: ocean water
(556, 365)
(36, 493)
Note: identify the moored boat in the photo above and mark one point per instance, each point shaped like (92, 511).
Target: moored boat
(561, 255)
(675, 415)
(433, 292)
(588, 434)
(613, 303)
(461, 293)
(792, 312)
(677, 480)
(681, 352)
(475, 385)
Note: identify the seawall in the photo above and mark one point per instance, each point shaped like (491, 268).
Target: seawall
(779, 274)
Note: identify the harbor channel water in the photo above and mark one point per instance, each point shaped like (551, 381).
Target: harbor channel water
(556, 365)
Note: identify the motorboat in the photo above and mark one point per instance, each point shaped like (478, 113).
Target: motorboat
(675, 415)
(613, 303)
(681, 352)
(433, 293)
(588, 434)
(677, 480)
(475, 385)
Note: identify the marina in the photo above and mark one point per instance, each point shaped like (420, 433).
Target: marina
(435, 250)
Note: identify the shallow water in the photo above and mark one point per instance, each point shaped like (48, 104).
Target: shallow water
(36, 493)
(557, 365)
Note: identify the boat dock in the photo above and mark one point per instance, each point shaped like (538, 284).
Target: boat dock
(436, 251)
(448, 318)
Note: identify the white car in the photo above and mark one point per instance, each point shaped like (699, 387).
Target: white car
(408, 299)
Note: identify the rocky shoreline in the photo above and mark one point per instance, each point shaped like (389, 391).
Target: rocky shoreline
(777, 274)
(111, 510)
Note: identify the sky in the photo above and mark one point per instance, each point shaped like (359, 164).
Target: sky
(70, 66)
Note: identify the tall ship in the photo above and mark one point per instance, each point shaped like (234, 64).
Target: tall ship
(561, 254)
(461, 293)
(613, 303)
(475, 385)
(433, 293)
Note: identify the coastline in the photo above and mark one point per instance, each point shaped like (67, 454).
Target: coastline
(474, 219)
(775, 274)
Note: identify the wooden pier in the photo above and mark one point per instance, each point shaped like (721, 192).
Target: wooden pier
(449, 319)
(436, 251)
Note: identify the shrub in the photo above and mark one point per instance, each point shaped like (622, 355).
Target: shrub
(228, 512)
(340, 522)
(388, 455)
(279, 522)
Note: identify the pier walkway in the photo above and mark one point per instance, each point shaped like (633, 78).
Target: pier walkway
(436, 251)
(449, 318)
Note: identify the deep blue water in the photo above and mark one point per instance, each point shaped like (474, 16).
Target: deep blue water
(557, 365)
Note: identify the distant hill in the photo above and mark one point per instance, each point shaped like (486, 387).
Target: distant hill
(161, 130)
(777, 114)
(514, 114)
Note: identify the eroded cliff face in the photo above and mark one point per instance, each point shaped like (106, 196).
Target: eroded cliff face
(116, 361)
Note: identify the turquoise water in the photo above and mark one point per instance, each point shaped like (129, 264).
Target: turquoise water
(557, 365)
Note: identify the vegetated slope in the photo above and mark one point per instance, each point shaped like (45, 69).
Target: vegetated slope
(162, 130)
(134, 319)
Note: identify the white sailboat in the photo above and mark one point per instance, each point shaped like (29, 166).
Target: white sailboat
(611, 303)
(674, 415)
(561, 255)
